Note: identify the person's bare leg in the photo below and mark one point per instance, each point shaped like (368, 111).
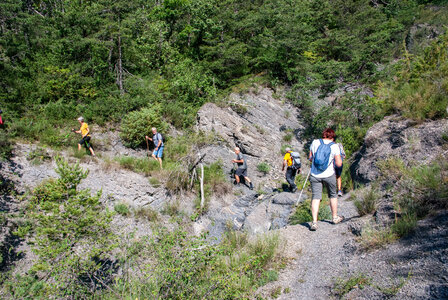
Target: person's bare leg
(153, 156)
(160, 162)
(247, 179)
(79, 147)
(315, 209)
(339, 183)
(334, 207)
(91, 151)
(237, 178)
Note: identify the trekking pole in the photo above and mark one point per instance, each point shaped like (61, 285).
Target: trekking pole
(147, 146)
(300, 196)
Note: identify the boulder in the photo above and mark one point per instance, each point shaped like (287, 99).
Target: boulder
(400, 138)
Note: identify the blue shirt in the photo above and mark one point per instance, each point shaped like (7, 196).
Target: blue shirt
(156, 138)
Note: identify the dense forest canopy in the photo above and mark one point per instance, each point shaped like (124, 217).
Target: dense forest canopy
(102, 59)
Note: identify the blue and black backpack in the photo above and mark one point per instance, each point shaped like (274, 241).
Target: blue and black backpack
(321, 158)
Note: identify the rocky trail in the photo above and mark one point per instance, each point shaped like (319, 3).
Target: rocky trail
(415, 267)
(325, 264)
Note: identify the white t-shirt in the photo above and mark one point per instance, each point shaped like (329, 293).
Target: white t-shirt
(334, 151)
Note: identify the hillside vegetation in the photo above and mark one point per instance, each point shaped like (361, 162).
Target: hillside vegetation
(131, 65)
(103, 59)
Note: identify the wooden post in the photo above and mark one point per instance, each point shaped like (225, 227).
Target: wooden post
(202, 187)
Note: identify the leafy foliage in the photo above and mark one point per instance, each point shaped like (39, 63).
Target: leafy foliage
(137, 124)
(63, 223)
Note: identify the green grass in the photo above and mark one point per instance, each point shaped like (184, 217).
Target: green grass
(302, 214)
(263, 167)
(343, 287)
(365, 200)
(122, 209)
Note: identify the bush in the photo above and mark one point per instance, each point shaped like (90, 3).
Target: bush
(5, 145)
(365, 200)
(263, 168)
(62, 222)
(302, 213)
(137, 124)
(122, 209)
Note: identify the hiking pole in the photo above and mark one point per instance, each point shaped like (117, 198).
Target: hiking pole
(300, 196)
(147, 146)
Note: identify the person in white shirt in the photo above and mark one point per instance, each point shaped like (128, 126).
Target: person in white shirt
(323, 153)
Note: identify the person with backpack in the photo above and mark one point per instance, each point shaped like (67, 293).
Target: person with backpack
(242, 168)
(292, 163)
(85, 136)
(338, 170)
(159, 145)
(323, 153)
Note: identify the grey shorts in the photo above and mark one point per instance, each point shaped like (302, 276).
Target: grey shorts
(316, 186)
(241, 172)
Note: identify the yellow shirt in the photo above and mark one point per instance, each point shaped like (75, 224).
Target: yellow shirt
(84, 128)
(288, 159)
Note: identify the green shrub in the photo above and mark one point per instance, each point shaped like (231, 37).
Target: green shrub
(342, 287)
(122, 209)
(404, 225)
(263, 168)
(137, 124)
(288, 137)
(147, 213)
(5, 145)
(179, 266)
(63, 221)
(38, 156)
(302, 214)
(365, 200)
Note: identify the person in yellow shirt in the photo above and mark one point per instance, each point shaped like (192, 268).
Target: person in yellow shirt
(291, 170)
(85, 136)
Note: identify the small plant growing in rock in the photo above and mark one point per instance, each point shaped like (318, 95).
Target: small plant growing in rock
(122, 209)
(288, 137)
(263, 168)
(365, 200)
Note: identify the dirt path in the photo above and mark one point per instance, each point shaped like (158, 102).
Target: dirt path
(318, 256)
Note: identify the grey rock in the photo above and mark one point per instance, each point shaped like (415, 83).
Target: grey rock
(399, 138)
(258, 221)
(285, 198)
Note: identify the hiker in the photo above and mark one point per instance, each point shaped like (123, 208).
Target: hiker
(338, 170)
(242, 168)
(85, 133)
(292, 163)
(157, 139)
(323, 152)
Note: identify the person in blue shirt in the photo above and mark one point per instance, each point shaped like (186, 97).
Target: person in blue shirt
(157, 139)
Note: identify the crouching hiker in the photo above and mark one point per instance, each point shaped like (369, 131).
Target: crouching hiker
(85, 136)
(293, 165)
(323, 152)
(159, 145)
(242, 168)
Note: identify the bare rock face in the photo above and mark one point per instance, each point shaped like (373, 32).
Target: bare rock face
(257, 123)
(399, 138)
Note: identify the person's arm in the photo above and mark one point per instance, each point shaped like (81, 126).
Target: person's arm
(284, 164)
(238, 161)
(148, 138)
(310, 157)
(160, 143)
(338, 160)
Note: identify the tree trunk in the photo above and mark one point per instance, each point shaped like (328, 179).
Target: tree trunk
(120, 68)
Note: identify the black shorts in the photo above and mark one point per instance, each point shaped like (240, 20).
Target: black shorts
(338, 171)
(85, 141)
(241, 172)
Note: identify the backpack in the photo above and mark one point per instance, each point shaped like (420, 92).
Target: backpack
(295, 157)
(321, 158)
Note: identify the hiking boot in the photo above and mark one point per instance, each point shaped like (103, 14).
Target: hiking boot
(338, 219)
(251, 186)
(234, 182)
(340, 193)
(313, 226)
